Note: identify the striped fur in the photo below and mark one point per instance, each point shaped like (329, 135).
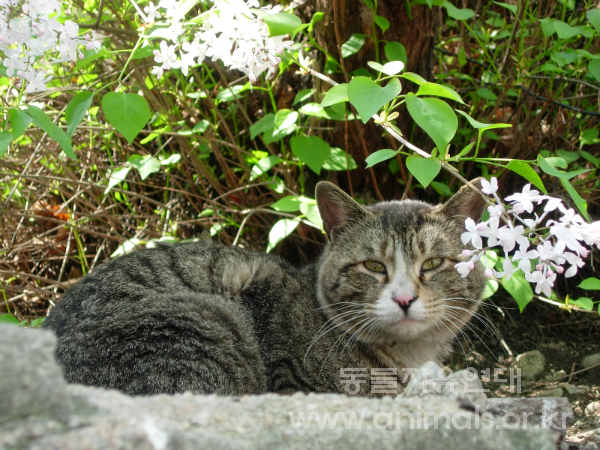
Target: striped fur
(208, 318)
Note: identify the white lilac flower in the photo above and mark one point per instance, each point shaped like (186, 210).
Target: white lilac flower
(525, 199)
(165, 56)
(464, 268)
(495, 211)
(566, 237)
(591, 233)
(552, 203)
(489, 187)
(508, 269)
(575, 262)
(547, 251)
(472, 234)
(509, 237)
(544, 281)
(524, 259)
(152, 12)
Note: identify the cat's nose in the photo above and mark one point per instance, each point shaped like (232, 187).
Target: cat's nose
(404, 300)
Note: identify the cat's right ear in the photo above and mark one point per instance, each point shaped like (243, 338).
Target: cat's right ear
(336, 208)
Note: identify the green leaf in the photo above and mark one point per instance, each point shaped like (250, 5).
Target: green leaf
(126, 247)
(336, 94)
(458, 14)
(311, 150)
(589, 157)
(117, 176)
(566, 31)
(589, 136)
(19, 121)
(202, 126)
(594, 68)
(439, 91)
(391, 68)
(423, 169)
(395, 51)
(435, 117)
(339, 160)
(368, 97)
(264, 124)
(263, 166)
(519, 288)
(311, 212)
(303, 95)
(142, 52)
(39, 118)
(528, 173)
(76, 110)
(284, 124)
(583, 303)
(415, 78)
(441, 188)
(89, 56)
(173, 159)
(291, 203)
(145, 165)
(569, 157)
(593, 15)
(465, 151)
(579, 202)
(353, 45)
(382, 22)
(590, 284)
(482, 126)
(546, 166)
(491, 286)
(279, 23)
(232, 93)
(9, 319)
(280, 231)
(512, 8)
(128, 113)
(379, 156)
(6, 138)
(486, 94)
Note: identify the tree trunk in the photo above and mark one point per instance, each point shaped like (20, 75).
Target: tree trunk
(418, 37)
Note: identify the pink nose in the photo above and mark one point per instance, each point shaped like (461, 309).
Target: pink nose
(404, 299)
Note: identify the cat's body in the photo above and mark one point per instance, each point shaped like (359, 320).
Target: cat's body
(208, 318)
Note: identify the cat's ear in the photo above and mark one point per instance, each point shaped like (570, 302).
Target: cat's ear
(337, 208)
(465, 203)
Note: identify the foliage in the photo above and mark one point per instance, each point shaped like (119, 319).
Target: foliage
(161, 152)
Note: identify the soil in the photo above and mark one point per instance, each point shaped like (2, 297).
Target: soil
(563, 337)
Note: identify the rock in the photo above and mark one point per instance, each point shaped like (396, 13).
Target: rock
(40, 412)
(531, 363)
(556, 392)
(592, 408)
(464, 385)
(555, 375)
(590, 360)
(32, 382)
(572, 389)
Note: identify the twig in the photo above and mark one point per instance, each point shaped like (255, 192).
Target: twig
(572, 372)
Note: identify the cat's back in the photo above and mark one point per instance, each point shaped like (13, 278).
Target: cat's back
(147, 322)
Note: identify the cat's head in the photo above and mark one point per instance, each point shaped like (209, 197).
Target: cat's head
(388, 272)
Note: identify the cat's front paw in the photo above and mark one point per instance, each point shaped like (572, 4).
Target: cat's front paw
(238, 278)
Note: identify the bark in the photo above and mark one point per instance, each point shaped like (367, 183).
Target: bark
(418, 36)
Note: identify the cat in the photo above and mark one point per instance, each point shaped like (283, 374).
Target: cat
(208, 318)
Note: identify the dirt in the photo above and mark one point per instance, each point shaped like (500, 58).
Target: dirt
(563, 337)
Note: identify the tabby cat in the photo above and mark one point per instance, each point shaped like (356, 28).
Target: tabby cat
(208, 318)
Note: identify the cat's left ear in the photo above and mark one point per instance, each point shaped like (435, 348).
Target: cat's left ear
(465, 203)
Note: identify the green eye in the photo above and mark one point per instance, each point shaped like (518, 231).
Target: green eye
(375, 266)
(432, 263)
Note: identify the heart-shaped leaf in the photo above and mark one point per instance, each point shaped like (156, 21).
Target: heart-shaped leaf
(128, 113)
(311, 150)
(335, 95)
(368, 97)
(423, 169)
(435, 117)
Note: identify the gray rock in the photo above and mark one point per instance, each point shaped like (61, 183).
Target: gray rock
(531, 364)
(573, 389)
(32, 382)
(590, 360)
(40, 412)
(555, 392)
(555, 375)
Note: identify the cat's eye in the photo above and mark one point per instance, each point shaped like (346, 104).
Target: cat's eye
(375, 266)
(432, 263)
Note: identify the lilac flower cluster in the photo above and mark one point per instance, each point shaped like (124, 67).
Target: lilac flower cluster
(555, 247)
(30, 33)
(232, 31)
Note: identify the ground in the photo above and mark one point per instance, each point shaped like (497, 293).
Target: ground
(563, 338)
